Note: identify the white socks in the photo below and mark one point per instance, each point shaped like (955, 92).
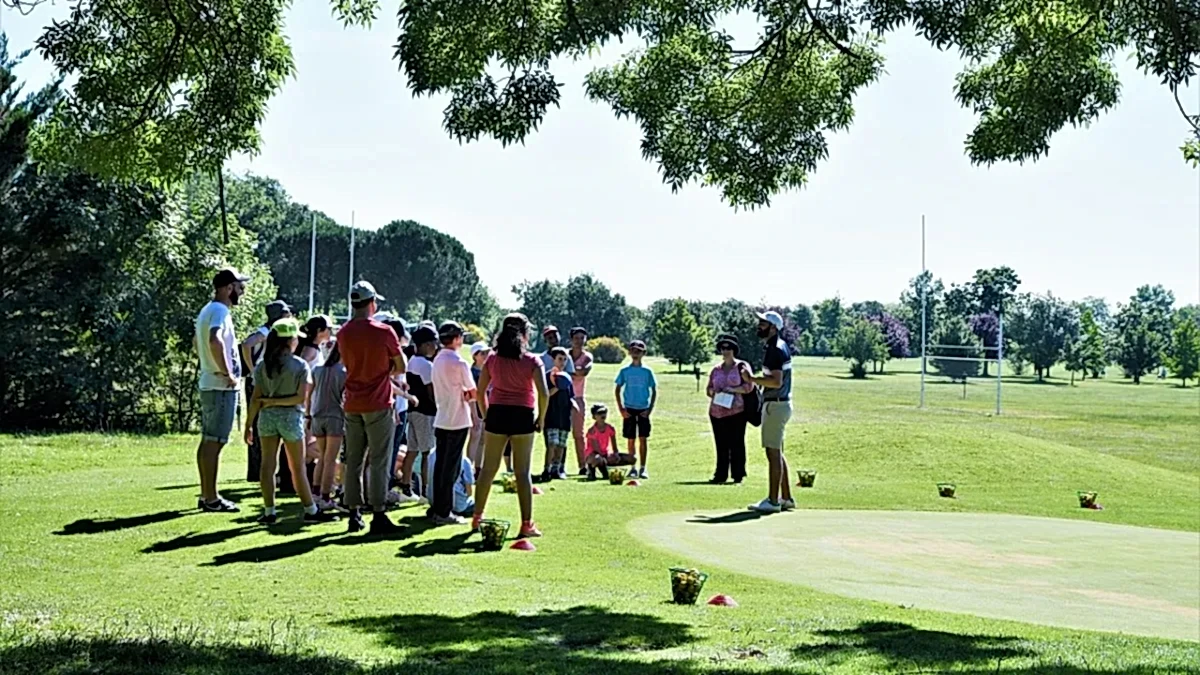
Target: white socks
(311, 509)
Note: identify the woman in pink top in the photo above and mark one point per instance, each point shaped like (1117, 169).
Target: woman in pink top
(512, 398)
(728, 381)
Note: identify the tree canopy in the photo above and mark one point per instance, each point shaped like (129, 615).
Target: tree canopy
(164, 88)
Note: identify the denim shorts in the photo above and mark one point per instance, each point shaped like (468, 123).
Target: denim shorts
(217, 408)
(286, 423)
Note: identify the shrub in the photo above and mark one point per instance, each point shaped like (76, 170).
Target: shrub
(860, 342)
(606, 350)
(475, 334)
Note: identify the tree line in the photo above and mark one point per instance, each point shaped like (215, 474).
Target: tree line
(1040, 331)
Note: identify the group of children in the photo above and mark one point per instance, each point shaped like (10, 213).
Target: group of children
(414, 448)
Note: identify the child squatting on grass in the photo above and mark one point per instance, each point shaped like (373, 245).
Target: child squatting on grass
(601, 451)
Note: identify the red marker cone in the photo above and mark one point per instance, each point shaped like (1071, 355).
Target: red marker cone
(722, 600)
(633, 483)
(523, 545)
(537, 490)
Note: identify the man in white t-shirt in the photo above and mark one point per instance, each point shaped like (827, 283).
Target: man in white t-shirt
(220, 372)
(454, 388)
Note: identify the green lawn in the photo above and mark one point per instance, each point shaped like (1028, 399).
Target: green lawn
(105, 566)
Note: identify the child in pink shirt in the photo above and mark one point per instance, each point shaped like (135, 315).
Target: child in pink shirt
(602, 445)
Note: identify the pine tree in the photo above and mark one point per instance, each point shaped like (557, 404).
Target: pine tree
(1092, 348)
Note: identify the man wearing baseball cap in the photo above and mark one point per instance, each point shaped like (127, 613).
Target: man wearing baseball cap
(220, 372)
(252, 351)
(371, 353)
(776, 382)
(551, 337)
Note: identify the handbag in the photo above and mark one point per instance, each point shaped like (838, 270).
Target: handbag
(753, 406)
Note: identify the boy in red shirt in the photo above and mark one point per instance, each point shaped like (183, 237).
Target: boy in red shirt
(602, 445)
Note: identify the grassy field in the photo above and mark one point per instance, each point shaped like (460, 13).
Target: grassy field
(105, 566)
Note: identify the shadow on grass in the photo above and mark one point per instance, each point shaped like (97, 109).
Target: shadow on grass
(454, 545)
(445, 638)
(701, 482)
(906, 647)
(735, 517)
(100, 525)
(576, 641)
(337, 536)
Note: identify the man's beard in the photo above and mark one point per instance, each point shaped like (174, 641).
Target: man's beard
(764, 332)
(234, 297)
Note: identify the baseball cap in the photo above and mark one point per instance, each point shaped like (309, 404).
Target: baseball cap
(450, 329)
(638, 344)
(579, 330)
(549, 329)
(228, 276)
(772, 318)
(288, 328)
(364, 290)
(276, 310)
(479, 347)
(423, 334)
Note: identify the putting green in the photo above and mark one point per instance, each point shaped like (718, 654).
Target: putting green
(1070, 573)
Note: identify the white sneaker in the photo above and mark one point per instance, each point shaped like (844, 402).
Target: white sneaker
(392, 498)
(642, 473)
(765, 506)
(787, 505)
(423, 501)
(452, 519)
(405, 499)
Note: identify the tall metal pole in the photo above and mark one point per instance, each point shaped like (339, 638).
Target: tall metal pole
(312, 266)
(999, 354)
(924, 292)
(349, 308)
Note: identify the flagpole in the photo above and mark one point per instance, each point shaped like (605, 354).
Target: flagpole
(312, 266)
(349, 309)
(924, 299)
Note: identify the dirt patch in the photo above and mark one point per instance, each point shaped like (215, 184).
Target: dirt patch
(1137, 602)
(932, 547)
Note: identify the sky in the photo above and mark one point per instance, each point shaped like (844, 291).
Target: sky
(1111, 208)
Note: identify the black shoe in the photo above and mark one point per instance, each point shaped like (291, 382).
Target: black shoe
(222, 505)
(716, 481)
(737, 481)
(583, 472)
(591, 473)
(268, 519)
(356, 522)
(321, 517)
(382, 526)
(543, 477)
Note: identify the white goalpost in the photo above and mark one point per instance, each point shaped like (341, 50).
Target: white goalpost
(999, 348)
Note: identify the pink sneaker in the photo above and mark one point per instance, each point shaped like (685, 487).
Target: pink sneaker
(529, 529)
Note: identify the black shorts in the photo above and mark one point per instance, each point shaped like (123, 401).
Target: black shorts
(636, 425)
(509, 420)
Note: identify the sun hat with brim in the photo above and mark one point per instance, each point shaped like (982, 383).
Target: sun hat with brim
(480, 347)
(728, 342)
(579, 330)
(288, 328)
(638, 345)
(276, 310)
